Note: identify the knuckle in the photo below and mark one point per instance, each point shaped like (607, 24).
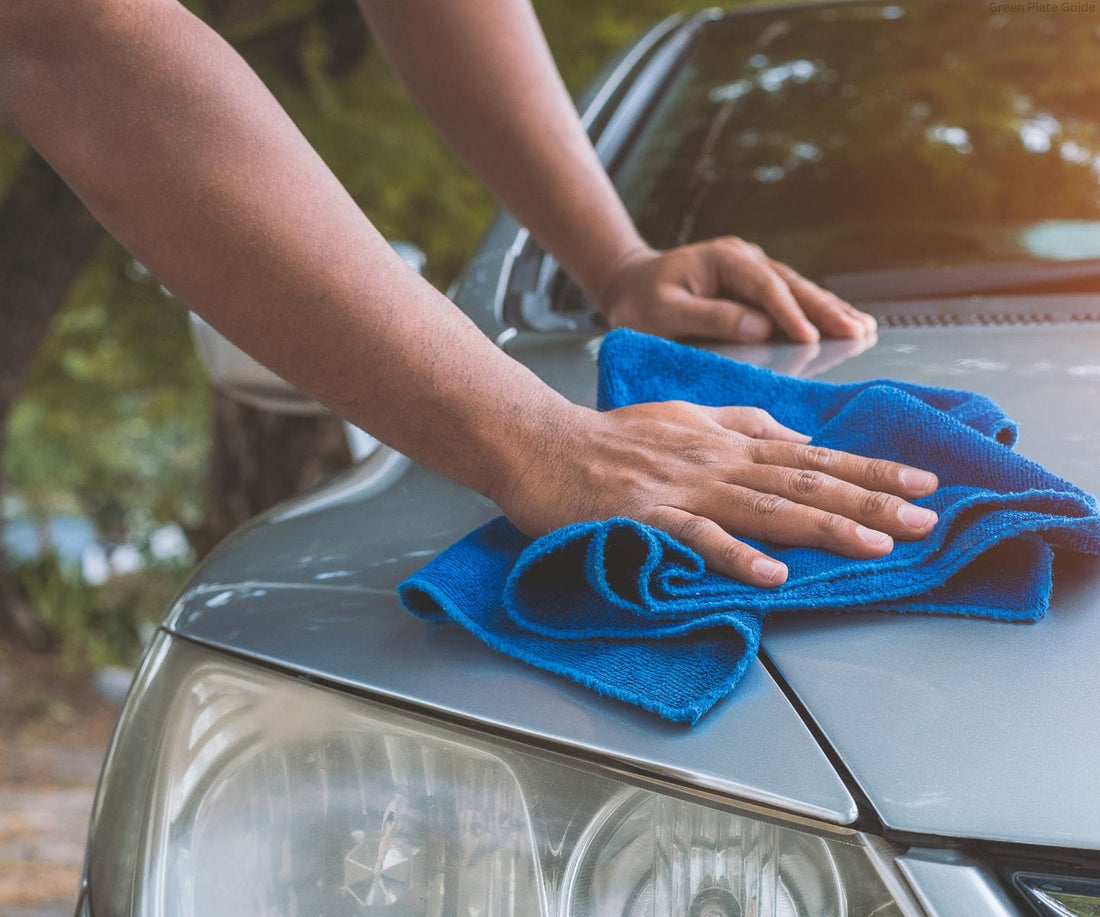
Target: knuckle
(765, 505)
(818, 457)
(806, 483)
(733, 553)
(769, 286)
(693, 530)
(875, 503)
(878, 474)
(758, 415)
(833, 525)
(756, 450)
(735, 246)
(882, 474)
(752, 421)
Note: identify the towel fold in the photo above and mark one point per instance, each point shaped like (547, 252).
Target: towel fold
(629, 611)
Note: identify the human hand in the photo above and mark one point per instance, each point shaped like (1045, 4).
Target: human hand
(706, 475)
(723, 289)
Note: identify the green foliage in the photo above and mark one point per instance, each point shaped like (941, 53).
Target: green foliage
(13, 152)
(96, 625)
(113, 423)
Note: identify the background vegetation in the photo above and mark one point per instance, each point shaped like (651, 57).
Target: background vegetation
(115, 421)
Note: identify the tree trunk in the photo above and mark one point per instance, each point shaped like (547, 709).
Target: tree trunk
(46, 236)
(259, 459)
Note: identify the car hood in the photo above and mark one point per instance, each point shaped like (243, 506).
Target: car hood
(949, 727)
(965, 727)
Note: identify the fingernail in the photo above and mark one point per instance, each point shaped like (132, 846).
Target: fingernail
(754, 327)
(915, 479)
(916, 516)
(878, 539)
(771, 570)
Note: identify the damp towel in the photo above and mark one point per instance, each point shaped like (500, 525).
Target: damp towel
(628, 611)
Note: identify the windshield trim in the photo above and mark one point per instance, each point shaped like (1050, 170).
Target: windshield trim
(980, 278)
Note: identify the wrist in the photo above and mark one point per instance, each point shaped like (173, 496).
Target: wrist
(523, 468)
(602, 292)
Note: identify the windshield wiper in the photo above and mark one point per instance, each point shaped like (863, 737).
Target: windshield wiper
(996, 278)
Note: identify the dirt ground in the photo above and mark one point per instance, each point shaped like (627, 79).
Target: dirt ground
(54, 729)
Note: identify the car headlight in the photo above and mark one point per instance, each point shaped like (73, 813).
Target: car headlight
(233, 790)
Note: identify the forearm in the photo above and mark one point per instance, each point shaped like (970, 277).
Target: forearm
(484, 75)
(180, 151)
(178, 148)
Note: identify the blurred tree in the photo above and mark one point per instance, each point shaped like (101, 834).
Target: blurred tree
(46, 235)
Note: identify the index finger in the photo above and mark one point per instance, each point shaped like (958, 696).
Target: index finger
(756, 280)
(828, 311)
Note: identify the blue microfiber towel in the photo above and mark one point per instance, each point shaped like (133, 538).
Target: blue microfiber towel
(629, 611)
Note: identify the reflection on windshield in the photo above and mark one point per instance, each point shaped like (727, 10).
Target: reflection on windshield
(874, 136)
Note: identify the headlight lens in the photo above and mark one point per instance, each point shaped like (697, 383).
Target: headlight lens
(277, 798)
(263, 795)
(650, 854)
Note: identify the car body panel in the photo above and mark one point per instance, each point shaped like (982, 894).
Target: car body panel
(949, 884)
(311, 588)
(956, 727)
(967, 727)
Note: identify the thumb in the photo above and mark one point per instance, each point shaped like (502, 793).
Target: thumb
(755, 422)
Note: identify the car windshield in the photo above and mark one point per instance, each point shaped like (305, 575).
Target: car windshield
(854, 137)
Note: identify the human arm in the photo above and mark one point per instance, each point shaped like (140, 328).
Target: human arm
(481, 71)
(181, 152)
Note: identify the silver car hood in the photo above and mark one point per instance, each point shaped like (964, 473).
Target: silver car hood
(311, 589)
(950, 727)
(964, 727)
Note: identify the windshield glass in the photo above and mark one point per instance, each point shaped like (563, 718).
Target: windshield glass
(870, 137)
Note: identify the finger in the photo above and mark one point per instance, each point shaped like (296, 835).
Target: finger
(873, 474)
(879, 511)
(774, 518)
(804, 284)
(755, 280)
(827, 310)
(721, 552)
(719, 320)
(755, 422)
(777, 519)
